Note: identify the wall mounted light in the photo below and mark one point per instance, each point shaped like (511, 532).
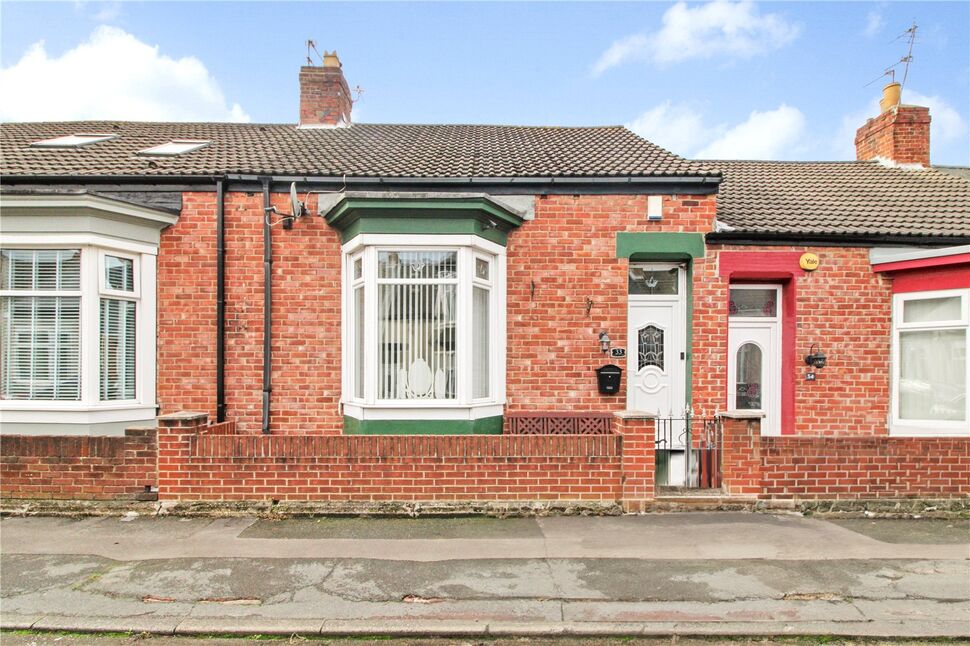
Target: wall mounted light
(815, 359)
(604, 341)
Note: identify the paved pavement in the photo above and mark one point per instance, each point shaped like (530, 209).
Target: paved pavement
(687, 574)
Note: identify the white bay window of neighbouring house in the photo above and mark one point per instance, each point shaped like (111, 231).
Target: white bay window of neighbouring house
(931, 371)
(420, 326)
(68, 325)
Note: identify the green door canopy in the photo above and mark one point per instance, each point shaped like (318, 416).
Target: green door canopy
(479, 214)
(659, 246)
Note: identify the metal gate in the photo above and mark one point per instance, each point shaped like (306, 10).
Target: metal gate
(688, 452)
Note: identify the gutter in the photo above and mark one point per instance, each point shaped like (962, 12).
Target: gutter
(833, 239)
(267, 307)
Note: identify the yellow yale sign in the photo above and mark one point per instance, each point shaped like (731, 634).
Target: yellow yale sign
(808, 262)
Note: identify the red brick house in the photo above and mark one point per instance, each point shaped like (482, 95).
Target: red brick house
(434, 323)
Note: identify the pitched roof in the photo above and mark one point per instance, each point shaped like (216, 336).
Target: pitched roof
(851, 198)
(361, 150)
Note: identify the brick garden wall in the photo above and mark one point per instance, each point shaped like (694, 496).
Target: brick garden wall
(59, 467)
(865, 467)
(223, 466)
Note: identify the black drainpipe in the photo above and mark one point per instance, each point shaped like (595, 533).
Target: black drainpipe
(267, 304)
(220, 301)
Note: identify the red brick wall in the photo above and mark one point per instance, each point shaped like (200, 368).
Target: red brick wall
(59, 467)
(842, 306)
(901, 134)
(865, 467)
(306, 316)
(379, 468)
(569, 253)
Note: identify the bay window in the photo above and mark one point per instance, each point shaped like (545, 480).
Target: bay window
(75, 336)
(421, 327)
(930, 367)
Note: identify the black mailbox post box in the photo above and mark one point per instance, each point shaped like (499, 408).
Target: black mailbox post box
(608, 378)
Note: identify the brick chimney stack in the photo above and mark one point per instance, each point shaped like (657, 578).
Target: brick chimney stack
(900, 135)
(324, 94)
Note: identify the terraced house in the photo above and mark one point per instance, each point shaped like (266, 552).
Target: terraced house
(345, 312)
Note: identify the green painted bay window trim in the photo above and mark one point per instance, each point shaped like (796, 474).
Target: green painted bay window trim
(659, 246)
(481, 426)
(406, 214)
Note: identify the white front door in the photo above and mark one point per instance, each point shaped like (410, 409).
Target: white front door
(656, 333)
(754, 353)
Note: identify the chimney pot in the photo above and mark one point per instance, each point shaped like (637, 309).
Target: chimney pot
(890, 96)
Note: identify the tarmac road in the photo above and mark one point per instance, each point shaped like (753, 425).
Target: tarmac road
(698, 574)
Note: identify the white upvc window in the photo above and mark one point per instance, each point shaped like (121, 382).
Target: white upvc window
(424, 327)
(930, 373)
(76, 332)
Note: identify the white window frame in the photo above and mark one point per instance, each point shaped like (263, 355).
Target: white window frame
(90, 409)
(463, 406)
(908, 427)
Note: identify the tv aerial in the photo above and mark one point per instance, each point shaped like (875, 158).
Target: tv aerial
(910, 36)
(297, 209)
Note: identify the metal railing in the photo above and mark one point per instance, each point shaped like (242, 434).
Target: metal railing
(688, 452)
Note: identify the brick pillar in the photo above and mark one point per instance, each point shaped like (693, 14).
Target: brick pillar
(174, 451)
(741, 453)
(901, 134)
(637, 468)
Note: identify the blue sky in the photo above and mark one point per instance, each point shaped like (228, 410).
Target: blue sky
(758, 80)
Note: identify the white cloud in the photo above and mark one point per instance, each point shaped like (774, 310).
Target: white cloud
(774, 134)
(678, 128)
(874, 24)
(946, 124)
(112, 75)
(764, 135)
(719, 28)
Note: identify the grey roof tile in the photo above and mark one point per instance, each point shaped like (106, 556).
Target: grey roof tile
(361, 150)
(833, 198)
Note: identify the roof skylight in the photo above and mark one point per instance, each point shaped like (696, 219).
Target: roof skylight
(176, 147)
(74, 141)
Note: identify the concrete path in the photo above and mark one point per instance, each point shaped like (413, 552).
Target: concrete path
(687, 574)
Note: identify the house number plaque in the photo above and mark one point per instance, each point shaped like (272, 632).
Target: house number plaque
(618, 353)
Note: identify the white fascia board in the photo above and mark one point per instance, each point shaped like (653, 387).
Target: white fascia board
(883, 255)
(421, 240)
(92, 204)
(76, 239)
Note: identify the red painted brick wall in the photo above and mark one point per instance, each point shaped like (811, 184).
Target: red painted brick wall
(865, 467)
(96, 468)
(844, 307)
(379, 468)
(569, 254)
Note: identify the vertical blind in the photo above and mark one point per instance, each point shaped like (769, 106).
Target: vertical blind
(416, 324)
(117, 349)
(40, 358)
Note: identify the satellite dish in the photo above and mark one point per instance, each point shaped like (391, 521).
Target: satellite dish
(295, 204)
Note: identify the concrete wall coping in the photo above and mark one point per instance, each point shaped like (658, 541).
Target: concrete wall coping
(741, 414)
(182, 416)
(634, 414)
